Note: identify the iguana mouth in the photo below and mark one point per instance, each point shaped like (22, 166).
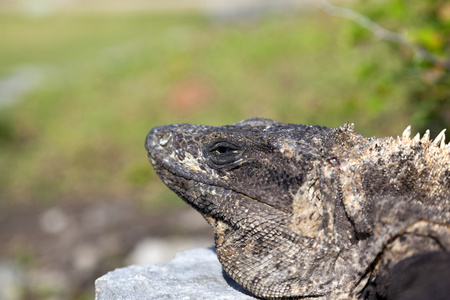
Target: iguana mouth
(178, 173)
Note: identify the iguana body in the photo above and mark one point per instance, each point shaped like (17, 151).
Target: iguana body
(309, 211)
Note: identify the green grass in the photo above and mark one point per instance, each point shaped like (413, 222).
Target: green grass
(110, 79)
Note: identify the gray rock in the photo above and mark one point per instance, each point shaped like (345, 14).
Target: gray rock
(192, 274)
(11, 280)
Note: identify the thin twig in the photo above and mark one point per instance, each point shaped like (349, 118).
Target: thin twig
(382, 33)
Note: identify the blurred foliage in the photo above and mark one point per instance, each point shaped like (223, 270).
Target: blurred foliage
(425, 60)
(111, 78)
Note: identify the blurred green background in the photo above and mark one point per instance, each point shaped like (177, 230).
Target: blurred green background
(81, 85)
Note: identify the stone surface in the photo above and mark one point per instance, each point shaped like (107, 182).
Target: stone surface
(192, 274)
(11, 280)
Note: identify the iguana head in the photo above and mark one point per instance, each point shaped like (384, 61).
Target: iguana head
(257, 159)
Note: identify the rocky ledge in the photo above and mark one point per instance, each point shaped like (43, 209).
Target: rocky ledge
(192, 274)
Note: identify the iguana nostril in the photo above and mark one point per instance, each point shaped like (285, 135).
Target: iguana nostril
(165, 139)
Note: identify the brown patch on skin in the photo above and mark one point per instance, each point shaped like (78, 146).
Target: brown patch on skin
(220, 229)
(307, 209)
(210, 221)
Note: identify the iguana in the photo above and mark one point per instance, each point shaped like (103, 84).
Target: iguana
(302, 211)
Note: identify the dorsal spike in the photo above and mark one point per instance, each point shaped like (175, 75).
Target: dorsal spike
(406, 135)
(426, 136)
(440, 138)
(416, 138)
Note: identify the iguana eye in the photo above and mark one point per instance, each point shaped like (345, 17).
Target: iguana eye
(222, 150)
(222, 153)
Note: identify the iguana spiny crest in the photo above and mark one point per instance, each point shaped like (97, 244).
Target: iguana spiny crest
(309, 211)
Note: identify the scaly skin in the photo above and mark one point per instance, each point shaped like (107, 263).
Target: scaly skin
(309, 211)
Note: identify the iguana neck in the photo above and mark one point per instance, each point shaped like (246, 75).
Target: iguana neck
(386, 168)
(399, 166)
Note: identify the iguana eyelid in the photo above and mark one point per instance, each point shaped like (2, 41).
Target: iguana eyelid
(223, 153)
(223, 147)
